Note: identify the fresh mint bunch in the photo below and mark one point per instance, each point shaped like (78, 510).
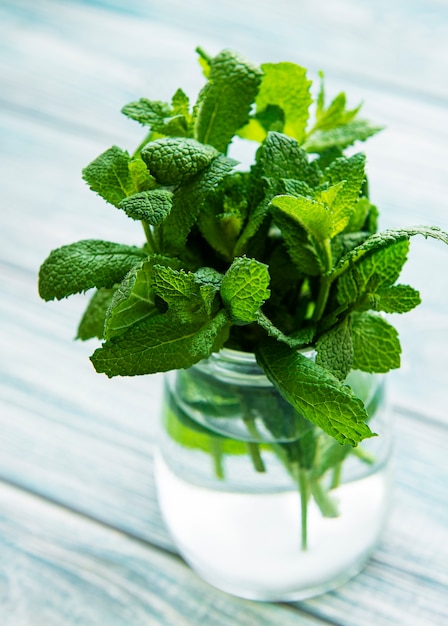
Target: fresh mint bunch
(272, 260)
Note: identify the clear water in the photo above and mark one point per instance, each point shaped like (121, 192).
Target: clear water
(248, 544)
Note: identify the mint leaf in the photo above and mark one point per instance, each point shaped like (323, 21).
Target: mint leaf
(109, 175)
(92, 322)
(360, 216)
(80, 266)
(176, 160)
(302, 247)
(278, 159)
(296, 340)
(224, 103)
(189, 200)
(147, 112)
(382, 240)
(340, 137)
(351, 173)
(377, 270)
(286, 86)
(141, 178)
(133, 301)
(314, 392)
(222, 216)
(376, 347)
(335, 350)
(160, 344)
(397, 299)
(153, 206)
(209, 281)
(336, 114)
(180, 290)
(281, 156)
(244, 289)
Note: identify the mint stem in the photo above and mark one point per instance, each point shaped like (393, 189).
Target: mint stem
(322, 298)
(149, 236)
(325, 283)
(217, 455)
(253, 447)
(303, 487)
(203, 54)
(254, 451)
(337, 474)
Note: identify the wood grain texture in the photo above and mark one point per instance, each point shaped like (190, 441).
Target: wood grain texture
(86, 442)
(58, 568)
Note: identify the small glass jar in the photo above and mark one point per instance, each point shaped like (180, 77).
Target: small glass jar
(260, 502)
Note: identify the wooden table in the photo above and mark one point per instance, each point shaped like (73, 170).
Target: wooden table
(81, 537)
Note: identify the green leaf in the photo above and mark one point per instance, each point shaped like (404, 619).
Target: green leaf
(385, 239)
(314, 392)
(92, 322)
(335, 350)
(147, 112)
(376, 347)
(300, 243)
(340, 137)
(209, 281)
(224, 103)
(159, 344)
(397, 299)
(80, 266)
(296, 340)
(336, 114)
(315, 217)
(189, 200)
(222, 216)
(351, 173)
(109, 175)
(132, 302)
(176, 160)
(140, 175)
(153, 206)
(244, 289)
(375, 271)
(285, 85)
(359, 218)
(180, 291)
(278, 159)
(281, 156)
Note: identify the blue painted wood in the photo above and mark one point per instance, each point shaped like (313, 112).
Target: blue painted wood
(86, 442)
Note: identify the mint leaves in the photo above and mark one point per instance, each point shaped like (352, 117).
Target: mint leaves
(244, 289)
(80, 266)
(224, 103)
(315, 393)
(273, 260)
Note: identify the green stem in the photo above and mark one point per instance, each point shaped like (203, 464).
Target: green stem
(254, 451)
(363, 455)
(303, 486)
(149, 236)
(253, 447)
(203, 54)
(323, 500)
(322, 298)
(217, 455)
(325, 283)
(337, 474)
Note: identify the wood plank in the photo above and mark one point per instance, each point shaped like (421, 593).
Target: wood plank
(59, 568)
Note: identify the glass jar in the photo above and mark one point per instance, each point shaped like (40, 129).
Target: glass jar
(261, 503)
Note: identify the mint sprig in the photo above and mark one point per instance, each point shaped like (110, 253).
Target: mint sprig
(278, 258)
